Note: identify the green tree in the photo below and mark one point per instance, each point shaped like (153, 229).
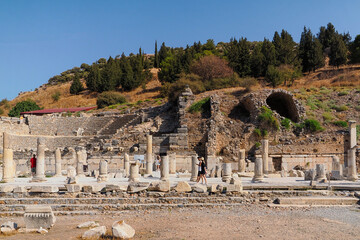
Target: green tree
(238, 54)
(310, 51)
(127, 82)
(156, 59)
(268, 51)
(256, 61)
(338, 53)
(285, 48)
(76, 86)
(94, 78)
(23, 106)
(355, 50)
(163, 53)
(326, 35)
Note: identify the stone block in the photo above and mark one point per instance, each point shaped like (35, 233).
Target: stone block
(119, 175)
(234, 188)
(113, 187)
(161, 186)
(135, 187)
(20, 189)
(73, 188)
(336, 175)
(89, 224)
(122, 230)
(94, 233)
(43, 189)
(183, 187)
(9, 224)
(6, 189)
(39, 216)
(199, 188)
(310, 175)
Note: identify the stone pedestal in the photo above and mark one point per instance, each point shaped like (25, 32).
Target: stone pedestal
(149, 160)
(103, 171)
(80, 163)
(36, 217)
(172, 163)
(320, 173)
(352, 173)
(164, 168)
(241, 164)
(40, 162)
(258, 171)
(265, 155)
(127, 165)
(226, 172)
(58, 163)
(194, 168)
(71, 175)
(9, 166)
(134, 175)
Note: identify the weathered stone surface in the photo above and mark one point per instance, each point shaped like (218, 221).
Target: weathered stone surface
(161, 186)
(310, 175)
(216, 188)
(94, 233)
(42, 231)
(44, 189)
(6, 188)
(199, 188)
(135, 187)
(10, 224)
(73, 188)
(20, 189)
(122, 230)
(89, 224)
(7, 230)
(39, 216)
(183, 187)
(293, 173)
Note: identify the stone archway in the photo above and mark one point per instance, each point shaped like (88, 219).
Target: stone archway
(283, 103)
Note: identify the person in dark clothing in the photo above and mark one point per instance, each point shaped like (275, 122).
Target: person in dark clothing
(33, 165)
(203, 171)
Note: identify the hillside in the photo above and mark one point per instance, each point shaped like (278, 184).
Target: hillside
(342, 79)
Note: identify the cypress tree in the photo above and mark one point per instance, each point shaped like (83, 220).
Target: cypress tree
(338, 54)
(268, 50)
(355, 50)
(76, 86)
(310, 51)
(256, 61)
(156, 58)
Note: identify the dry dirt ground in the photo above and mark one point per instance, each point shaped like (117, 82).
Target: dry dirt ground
(245, 222)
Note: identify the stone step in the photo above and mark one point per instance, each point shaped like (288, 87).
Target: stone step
(92, 209)
(317, 201)
(106, 201)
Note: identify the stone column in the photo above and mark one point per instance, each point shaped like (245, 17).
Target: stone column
(80, 163)
(351, 154)
(9, 166)
(194, 168)
(127, 165)
(149, 160)
(164, 168)
(265, 155)
(320, 173)
(172, 163)
(58, 163)
(352, 173)
(227, 171)
(258, 171)
(40, 161)
(241, 164)
(103, 171)
(134, 172)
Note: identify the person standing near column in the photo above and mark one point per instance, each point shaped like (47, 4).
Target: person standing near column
(33, 165)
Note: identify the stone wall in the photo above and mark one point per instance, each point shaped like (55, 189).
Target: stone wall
(12, 126)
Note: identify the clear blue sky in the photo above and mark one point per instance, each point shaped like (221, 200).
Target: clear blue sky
(40, 39)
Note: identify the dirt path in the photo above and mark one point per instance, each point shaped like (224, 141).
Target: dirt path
(246, 222)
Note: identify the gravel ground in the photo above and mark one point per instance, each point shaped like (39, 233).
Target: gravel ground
(245, 222)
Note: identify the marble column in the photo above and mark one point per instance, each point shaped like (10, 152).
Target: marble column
(194, 168)
(241, 164)
(127, 165)
(258, 171)
(149, 160)
(80, 163)
(172, 163)
(265, 155)
(134, 172)
(226, 172)
(320, 172)
(352, 172)
(9, 166)
(103, 171)
(40, 161)
(351, 154)
(164, 168)
(58, 163)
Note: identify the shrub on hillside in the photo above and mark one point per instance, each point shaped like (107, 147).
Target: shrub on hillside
(267, 117)
(286, 123)
(76, 87)
(23, 106)
(201, 106)
(340, 123)
(56, 96)
(211, 67)
(109, 98)
(247, 83)
(312, 125)
(1, 111)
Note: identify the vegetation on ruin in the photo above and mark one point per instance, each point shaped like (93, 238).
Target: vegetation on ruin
(286, 123)
(312, 125)
(201, 106)
(340, 123)
(268, 119)
(23, 106)
(109, 98)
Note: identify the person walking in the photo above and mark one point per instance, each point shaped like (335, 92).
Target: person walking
(203, 171)
(33, 164)
(199, 170)
(157, 163)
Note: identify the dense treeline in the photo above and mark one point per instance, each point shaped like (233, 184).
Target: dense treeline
(210, 66)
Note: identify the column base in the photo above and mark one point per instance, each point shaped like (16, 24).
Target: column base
(193, 179)
(134, 180)
(257, 179)
(8, 180)
(352, 178)
(102, 178)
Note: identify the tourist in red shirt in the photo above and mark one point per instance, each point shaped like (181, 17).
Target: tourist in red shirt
(33, 165)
